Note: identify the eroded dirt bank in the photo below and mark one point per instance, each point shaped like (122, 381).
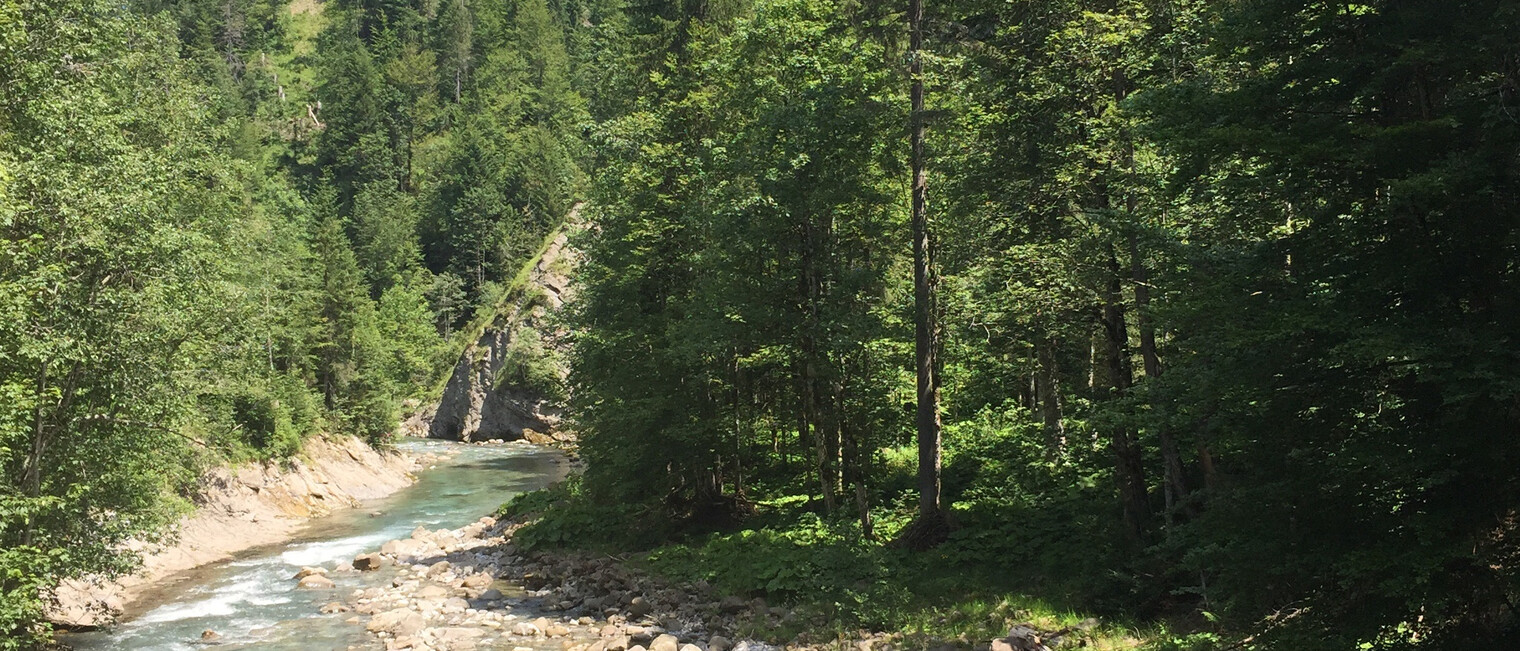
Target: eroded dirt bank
(248, 506)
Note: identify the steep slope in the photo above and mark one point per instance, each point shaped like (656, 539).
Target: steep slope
(509, 383)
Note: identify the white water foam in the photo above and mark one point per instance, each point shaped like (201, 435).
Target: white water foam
(319, 553)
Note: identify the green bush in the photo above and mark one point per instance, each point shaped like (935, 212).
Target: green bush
(531, 365)
(562, 516)
(811, 559)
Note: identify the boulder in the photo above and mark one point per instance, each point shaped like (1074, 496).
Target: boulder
(399, 622)
(717, 643)
(457, 638)
(209, 635)
(639, 607)
(665, 642)
(536, 437)
(308, 571)
(433, 592)
(410, 548)
(368, 562)
(316, 582)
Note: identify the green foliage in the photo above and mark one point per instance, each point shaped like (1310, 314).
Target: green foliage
(564, 516)
(809, 559)
(529, 364)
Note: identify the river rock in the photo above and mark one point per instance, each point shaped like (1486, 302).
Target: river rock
(477, 581)
(536, 437)
(209, 635)
(432, 592)
(717, 643)
(457, 638)
(409, 548)
(399, 622)
(316, 582)
(526, 629)
(368, 562)
(333, 607)
(665, 642)
(639, 607)
(308, 571)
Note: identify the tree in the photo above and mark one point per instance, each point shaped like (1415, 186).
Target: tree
(925, 316)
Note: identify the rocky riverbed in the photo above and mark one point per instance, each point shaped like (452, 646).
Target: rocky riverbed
(472, 588)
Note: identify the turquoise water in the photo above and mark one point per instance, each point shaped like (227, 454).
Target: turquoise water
(252, 601)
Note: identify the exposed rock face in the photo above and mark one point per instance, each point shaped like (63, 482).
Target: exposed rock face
(480, 402)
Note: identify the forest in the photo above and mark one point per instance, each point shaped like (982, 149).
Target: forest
(1198, 318)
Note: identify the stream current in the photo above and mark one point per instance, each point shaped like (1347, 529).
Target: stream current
(252, 601)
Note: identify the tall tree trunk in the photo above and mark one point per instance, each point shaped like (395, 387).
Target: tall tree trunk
(856, 471)
(1049, 394)
(1129, 469)
(925, 339)
(1174, 482)
(807, 283)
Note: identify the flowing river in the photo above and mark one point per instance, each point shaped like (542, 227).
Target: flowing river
(253, 602)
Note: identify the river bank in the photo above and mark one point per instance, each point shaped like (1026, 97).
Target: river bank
(243, 507)
(472, 588)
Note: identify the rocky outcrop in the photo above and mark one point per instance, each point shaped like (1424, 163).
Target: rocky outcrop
(243, 507)
(484, 399)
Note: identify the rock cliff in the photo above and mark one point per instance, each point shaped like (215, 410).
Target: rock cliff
(507, 385)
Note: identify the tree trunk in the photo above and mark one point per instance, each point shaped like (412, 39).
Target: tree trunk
(1049, 395)
(925, 339)
(807, 281)
(1129, 469)
(1174, 483)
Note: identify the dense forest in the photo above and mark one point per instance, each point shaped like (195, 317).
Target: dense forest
(1199, 317)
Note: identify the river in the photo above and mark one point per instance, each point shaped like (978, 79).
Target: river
(253, 602)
